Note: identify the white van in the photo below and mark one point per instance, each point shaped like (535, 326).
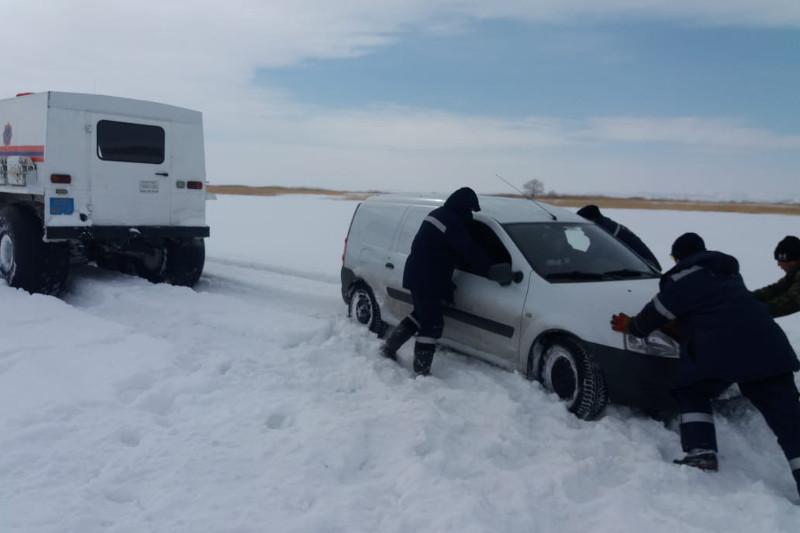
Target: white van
(99, 178)
(551, 323)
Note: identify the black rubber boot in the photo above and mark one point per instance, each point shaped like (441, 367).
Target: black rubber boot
(423, 358)
(702, 459)
(404, 331)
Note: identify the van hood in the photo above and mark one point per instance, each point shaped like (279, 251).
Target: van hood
(585, 309)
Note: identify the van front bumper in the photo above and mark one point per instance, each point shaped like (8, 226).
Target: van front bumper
(111, 233)
(637, 379)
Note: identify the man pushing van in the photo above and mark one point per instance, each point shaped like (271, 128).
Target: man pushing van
(442, 241)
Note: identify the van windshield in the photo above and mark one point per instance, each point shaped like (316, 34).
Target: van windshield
(576, 252)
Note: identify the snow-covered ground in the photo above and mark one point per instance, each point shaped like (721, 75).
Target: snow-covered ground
(252, 404)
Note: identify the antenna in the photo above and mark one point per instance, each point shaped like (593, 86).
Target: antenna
(531, 198)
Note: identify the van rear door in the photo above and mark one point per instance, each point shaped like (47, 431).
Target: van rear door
(130, 168)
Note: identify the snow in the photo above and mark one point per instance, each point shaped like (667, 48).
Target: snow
(253, 405)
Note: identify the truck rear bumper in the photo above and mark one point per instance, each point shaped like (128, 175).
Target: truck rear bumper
(109, 233)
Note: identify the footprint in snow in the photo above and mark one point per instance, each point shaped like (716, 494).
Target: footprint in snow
(129, 437)
(128, 390)
(278, 421)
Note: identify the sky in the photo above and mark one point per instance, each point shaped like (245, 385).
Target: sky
(649, 97)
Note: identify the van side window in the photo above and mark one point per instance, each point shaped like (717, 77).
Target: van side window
(376, 225)
(488, 240)
(411, 226)
(131, 143)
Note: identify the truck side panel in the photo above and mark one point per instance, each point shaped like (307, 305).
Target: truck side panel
(23, 123)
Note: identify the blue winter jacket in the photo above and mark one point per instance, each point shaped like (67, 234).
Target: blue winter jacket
(725, 332)
(442, 242)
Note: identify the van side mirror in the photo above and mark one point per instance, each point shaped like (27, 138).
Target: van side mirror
(501, 273)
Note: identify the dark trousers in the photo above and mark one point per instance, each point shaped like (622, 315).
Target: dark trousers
(428, 316)
(776, 398)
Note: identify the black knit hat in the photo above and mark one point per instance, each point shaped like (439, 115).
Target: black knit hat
(788, 249)
(686, 245)
(589, 212)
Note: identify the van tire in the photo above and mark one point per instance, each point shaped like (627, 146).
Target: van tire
(568, 369)
(363, 308)
(176, 262)
(26, 261)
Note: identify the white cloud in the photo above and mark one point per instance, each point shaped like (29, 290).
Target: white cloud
(168, 47)
(692, 131)
(204, 55)
(424, 130)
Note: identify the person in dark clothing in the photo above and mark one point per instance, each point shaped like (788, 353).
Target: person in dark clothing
(442, 242)
(726, 336)
(783, 297)
(621, 233)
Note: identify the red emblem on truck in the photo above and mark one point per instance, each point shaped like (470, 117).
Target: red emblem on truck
(7, 134)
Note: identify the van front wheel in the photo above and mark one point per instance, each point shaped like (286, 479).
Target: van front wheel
(364, 309)
(568, 369)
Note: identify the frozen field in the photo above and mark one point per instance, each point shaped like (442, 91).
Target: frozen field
(252, 404)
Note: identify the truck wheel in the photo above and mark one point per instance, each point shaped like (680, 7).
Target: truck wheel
(364, 309)
(184, 262)
(176, 262)
(117, 262)
(26, 261)
(151, 266)
(568, 369)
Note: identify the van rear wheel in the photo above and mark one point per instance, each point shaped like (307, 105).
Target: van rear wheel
(364, 309)
(568, 369)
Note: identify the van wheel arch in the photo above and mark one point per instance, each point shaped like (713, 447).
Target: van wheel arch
(563, 364)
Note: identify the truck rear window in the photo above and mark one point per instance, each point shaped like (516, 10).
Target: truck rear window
(132, 143)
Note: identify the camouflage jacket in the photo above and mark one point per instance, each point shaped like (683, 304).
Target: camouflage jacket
(783, 297)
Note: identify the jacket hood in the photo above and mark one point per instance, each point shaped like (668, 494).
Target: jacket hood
(716, 262)
(463, 201)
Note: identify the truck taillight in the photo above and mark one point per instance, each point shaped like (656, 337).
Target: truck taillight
(23, 94)
(194, 185)
(60, 178)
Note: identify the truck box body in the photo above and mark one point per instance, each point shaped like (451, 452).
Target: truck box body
(128, 161)
(90, 178)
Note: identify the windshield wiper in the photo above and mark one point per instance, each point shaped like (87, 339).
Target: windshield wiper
(628, 273)
(575, 275)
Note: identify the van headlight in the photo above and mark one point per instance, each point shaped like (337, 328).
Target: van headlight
(657, 343)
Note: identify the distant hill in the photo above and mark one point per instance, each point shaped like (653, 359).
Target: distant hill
(560, 200)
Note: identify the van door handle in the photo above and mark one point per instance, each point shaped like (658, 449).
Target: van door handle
(390, 266)
(162, 173)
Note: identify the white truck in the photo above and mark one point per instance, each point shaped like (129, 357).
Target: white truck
(116, 181)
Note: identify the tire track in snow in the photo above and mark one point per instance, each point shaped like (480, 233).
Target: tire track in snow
(521, 442)
(254, 265)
